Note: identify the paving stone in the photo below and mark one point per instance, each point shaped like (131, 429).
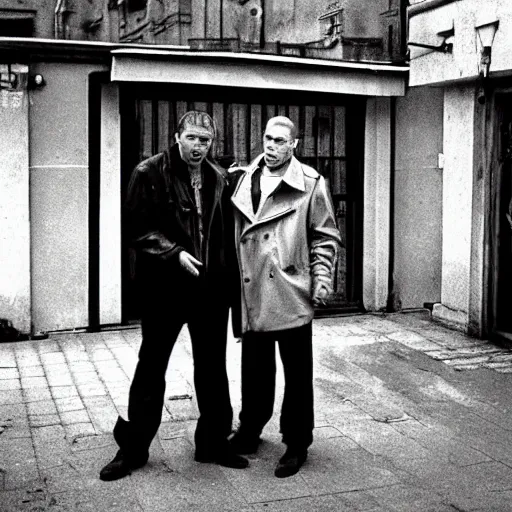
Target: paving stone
(48, 346)
(86, 378)
(37, 394)
(103, 354)
(10, 384)
(52, 358)
(102, 412)
(11, 396)
(18, 462)
(51, 447)
(74, 416)
(28, 357)
(59, 392)
(88, 390)
(330, 503)
(8, 372)
(44, 420)
(13, 421)
(72, 403)
(32, 371)
(41, 407)
(413, 340)
(76, 430)
(94, 442)
(94, 500)
(33, 499)
(444, 447)
(407, 498)
(482, 502)
(60, 379)
(33, 382)
(81, 366)
(331, 468)
(62, 478)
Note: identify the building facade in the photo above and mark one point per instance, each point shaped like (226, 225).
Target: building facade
(100, 85)
(462, 50)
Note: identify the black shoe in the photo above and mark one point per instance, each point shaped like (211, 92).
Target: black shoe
(121, 466)
(226, 458)
(290, 463)
(244, 444)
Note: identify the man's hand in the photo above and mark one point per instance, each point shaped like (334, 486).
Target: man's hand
(320, 294)
(189, 263)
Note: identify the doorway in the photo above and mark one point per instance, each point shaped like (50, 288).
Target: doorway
(501, 268)
(331, 140)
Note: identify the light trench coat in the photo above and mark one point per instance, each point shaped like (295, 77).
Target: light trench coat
(284, 251)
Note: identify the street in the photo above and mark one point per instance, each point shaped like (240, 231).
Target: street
(410, 416)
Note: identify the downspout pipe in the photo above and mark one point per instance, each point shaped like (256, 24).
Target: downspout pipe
(59, 19)
(393, 302)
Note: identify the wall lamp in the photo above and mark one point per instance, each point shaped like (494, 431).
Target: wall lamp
(486, 33)
(36, 81)
(444, 47)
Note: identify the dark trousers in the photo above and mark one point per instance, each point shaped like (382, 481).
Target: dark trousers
(161, 324)
(258, 384)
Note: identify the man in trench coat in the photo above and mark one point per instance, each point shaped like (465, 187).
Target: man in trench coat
(286, 240)
(180, 223)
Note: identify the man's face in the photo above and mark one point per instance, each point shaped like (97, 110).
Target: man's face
(194, 143)
(278, 145)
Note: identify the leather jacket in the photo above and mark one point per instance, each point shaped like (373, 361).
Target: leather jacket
(163, 219)
(284, 251)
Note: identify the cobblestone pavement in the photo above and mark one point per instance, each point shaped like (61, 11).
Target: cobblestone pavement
(410, 416)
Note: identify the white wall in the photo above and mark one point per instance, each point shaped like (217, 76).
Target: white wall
(459, 110)
(14, 207)
(429, 67)
(418, 197)
(59, 196)
(376, 203)
(110, 206)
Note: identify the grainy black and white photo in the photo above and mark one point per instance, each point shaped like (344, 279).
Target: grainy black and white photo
(255, 255)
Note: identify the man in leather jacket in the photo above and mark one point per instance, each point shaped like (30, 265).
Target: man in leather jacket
(286, 240)
(178, 211)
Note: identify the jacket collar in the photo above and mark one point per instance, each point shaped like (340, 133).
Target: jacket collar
(242, 199)
(179, 166)
(294, 177)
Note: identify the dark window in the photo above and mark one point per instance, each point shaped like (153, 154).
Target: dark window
(16, 24)
(136, 5)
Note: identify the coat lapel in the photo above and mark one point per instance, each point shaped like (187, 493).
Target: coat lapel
(276, 206)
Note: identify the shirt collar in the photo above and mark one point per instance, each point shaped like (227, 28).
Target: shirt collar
(294, 177)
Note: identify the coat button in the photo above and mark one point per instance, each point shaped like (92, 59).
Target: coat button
(267, 236)
(247, 280)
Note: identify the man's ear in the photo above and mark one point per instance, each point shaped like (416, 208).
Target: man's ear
(177, 137)
(295, 142)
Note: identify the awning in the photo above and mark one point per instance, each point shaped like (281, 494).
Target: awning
(258, 71)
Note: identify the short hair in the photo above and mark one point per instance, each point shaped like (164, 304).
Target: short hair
(198, 119)
(283, 121)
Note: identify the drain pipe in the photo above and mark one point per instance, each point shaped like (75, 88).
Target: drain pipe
(60, 9)
(393, 303)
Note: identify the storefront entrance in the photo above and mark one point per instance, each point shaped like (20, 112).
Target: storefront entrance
(331, 133)
(501, 268)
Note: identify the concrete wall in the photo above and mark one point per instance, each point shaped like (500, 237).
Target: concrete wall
(418, 197)
(296, 21)
(14, 207)
(59, 196)
(110, 207)
(377, 160)
(464, 15)
(459, 111)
